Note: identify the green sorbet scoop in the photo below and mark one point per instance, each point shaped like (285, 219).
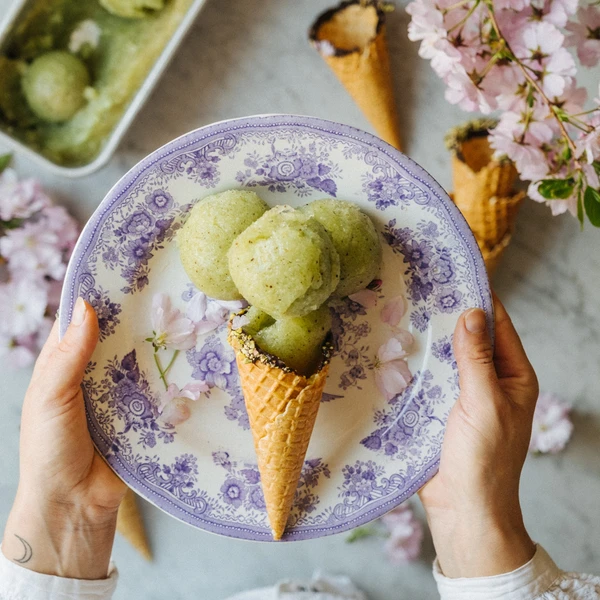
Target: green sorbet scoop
(297, 341)
(285, 263)
(355, 239)
(207, 235)
(54, 86)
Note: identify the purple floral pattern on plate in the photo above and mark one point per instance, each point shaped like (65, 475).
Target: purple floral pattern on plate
(125, 391)
(301, 169)
(241, 487)
(126, 254)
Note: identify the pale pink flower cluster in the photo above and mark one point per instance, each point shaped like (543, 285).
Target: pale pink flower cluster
(511, 56)
(173, 330)
(392, 374)
(405, 535)
(174, 407)
(552, 426)
(36, 241)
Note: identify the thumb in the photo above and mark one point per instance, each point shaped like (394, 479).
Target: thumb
(62, 363)
(474, 352)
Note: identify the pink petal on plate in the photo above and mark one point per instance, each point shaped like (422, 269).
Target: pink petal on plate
(197, 307)
(203, 327)
(216, 313)
(240, 321)
(233, 305)
(175, 412)
(366, 298)
(392, 378)
(393, 310)
(393, 349)
(193, 390)
(161, 307)
(405, 338)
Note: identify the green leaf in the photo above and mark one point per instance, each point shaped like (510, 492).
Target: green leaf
(580, 215)
(596, 165)
(361, 533)
(591, 202)
(556, 189)
(4, 161)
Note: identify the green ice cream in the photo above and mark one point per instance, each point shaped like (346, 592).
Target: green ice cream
(355, 239)
(54, 86)
(207, 235)
(132, 9)
(285, 263)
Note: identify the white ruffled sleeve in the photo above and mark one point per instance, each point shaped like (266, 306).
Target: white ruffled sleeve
(539, 579)
(18, 583)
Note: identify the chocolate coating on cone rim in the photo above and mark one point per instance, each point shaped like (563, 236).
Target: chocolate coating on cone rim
(253, 353)
(326, 16)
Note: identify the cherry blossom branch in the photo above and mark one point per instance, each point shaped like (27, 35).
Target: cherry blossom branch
(533, 83)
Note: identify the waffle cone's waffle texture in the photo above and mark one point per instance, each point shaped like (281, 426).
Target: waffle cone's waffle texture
(484, 193)
(282, 408)
(131, 526)
(351, 39)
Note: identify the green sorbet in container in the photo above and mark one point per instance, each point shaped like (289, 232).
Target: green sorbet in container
(355, 239)
(118, 66)
(285, 263)
(54, 86)
(207, 235)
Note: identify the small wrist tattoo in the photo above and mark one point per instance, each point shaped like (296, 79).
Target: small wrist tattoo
(27, 551)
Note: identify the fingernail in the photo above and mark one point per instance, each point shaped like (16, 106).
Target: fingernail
(78, 312)
(475, 321)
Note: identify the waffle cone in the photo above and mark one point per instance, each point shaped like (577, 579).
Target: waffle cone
(351, 39)
(484, 194)
(131, 526)
(282, 409)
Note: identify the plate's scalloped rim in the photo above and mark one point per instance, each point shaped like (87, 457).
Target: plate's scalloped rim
(331, 128)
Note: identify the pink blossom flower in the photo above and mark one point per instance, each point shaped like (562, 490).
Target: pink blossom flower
(552, 427)
(446, 59)
(556, 12)
(208, 314)
(171, 329)
(585, 36)
(462, 91)
(20, 199)
(22, 307)
(542, 50)
(366, 298)
(427, 23)
(589, 143)
(59, 221)
(406, 535)
(516, 5)
(510, 138)
(33, 250)
(392, 374)
(15, 355)
(174, 404)
(393, 310)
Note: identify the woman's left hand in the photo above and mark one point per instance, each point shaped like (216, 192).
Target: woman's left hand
(64, 517)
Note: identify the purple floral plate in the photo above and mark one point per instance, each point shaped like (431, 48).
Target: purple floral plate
(367, 453)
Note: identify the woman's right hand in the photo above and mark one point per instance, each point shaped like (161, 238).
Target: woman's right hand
(472, 504)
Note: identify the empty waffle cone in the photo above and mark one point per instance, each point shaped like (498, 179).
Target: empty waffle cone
(484, 189)
(131, 526)
(282, 408)
(351, 40)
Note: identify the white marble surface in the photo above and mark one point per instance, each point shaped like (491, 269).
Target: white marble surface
(250, 56)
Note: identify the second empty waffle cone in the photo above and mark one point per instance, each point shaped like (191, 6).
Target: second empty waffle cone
(131, 526)
(483, 189)
(351, 40)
